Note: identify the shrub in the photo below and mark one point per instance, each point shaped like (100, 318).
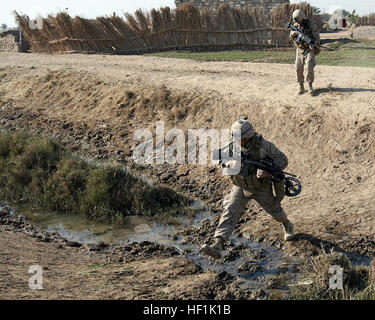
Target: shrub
(40, 171)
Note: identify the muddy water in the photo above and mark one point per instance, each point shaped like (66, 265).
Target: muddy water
(79, 229)
(267, 261)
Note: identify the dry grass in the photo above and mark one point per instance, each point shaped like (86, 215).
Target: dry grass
(356, 280)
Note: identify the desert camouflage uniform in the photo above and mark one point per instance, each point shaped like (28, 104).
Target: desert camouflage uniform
(304, 54)
(251, 188)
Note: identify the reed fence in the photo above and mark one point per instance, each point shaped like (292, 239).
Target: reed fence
(158, 30)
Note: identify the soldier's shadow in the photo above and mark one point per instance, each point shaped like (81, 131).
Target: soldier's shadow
(314, 241)
(326, 246)
(339, 41)
(320, 91)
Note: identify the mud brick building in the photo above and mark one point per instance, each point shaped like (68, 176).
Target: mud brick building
(268, 5)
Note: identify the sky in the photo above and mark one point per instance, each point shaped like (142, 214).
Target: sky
(94, 8)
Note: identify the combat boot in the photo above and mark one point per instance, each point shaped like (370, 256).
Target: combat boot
(301, 89)
(214, 250)
(288, 231)
(311, 90)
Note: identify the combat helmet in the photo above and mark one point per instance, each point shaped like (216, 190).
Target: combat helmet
(247, 130)
(298, 15)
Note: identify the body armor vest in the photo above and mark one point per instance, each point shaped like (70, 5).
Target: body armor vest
(306, 29)
(253, 150)
(247, 177)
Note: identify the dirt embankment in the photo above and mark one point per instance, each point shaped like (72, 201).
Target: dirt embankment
(95, 104)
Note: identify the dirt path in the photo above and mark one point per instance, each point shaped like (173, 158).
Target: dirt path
(95, 103)
(270, 83)
(77, 273)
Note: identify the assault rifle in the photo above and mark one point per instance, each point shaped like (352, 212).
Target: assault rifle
(302, 38)
(293, 186)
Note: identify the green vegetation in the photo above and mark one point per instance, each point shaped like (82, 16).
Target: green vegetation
(341, 52)
(101, 265)
(41, 172)
(124, 272)
(356, 282)
(353, 17)
(276, 56)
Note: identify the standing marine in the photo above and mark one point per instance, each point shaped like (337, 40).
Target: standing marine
(305, 54)
(257, 185)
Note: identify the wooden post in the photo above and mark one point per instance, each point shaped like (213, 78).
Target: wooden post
(20, 48)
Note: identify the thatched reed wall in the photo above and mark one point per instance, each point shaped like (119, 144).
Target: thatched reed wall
(185, 27)
(163, 29)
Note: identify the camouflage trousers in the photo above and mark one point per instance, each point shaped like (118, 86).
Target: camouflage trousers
(302, 59)
(235, 202)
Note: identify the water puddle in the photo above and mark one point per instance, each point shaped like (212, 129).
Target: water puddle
(78, 228)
